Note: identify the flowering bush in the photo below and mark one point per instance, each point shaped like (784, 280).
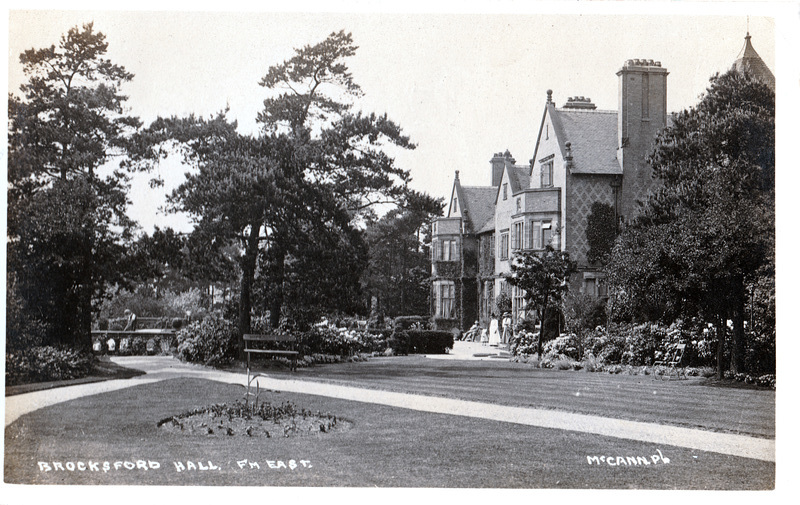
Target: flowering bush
(590, 363)
(411, 323)
(524, 343)
(606, 347)
(767, 381)
(642, 341)
(46, 363)
(328, 340)
(565, 345)
(325, 338)
(211, 341)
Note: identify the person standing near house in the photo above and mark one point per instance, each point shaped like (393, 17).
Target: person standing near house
(507, 332)
(494, 332)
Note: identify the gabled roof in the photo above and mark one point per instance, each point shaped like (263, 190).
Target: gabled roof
(593, 140)
(478, 206)
(592, 135)
(519, 176)
(749, 61)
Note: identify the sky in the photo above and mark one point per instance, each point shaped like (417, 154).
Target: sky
(462, 84)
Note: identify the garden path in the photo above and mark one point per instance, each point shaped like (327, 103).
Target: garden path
(160, 368)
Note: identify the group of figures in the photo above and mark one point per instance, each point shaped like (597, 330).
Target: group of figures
(498, 333)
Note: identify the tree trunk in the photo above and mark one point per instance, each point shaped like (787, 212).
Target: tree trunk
(248, 263)
(738, 347)
(276, 278)
(720, 346)
(541, 330)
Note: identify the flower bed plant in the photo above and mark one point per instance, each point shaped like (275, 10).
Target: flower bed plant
(251, 420)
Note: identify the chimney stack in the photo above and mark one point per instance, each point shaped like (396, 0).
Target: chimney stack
(642, 115)
(498, 163)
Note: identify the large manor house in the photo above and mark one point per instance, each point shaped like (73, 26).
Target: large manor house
(582, 155)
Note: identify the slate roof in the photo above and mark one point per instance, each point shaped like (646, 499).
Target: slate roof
(593, 138)
(479, 204)
(519, 177)
(749, 61)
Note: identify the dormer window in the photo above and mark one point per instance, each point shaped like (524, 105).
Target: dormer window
(455, 204)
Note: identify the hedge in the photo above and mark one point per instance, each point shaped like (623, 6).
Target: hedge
(421, 342)
(46, 363)
(407, 322)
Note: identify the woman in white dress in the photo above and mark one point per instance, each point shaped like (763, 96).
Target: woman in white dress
(494, 332)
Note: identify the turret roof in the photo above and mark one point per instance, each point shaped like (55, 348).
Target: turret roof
(749, 61)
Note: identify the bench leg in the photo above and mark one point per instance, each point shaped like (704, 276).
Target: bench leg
(247, 395)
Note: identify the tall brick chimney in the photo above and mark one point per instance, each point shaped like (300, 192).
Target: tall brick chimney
(642, 114)
(498, 162)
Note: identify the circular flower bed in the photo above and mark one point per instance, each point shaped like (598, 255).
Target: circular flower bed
(249, 420)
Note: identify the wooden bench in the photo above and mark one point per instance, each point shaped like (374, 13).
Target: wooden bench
(251, 341)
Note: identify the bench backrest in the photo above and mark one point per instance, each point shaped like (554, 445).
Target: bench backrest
(253, 337)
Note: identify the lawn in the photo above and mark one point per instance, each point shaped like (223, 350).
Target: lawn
(385, 447)
(693, 403)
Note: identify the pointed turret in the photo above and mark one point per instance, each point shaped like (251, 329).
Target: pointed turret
(749, 61)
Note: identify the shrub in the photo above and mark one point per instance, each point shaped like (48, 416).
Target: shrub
(562, 363)
(211, 341)
(607, 347)
(420, 342)
(767, 380)
(642, 341)
(590, 363)
(564, 345)
(324, 338)
(23, 329)
(430, 341)
(524, 343)
(502, 303)
(411, 323)
(328, 340)
(373, 342)
(399, 343)
(760, 356)
(138, 346)
(46, 363)
(528, 324)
